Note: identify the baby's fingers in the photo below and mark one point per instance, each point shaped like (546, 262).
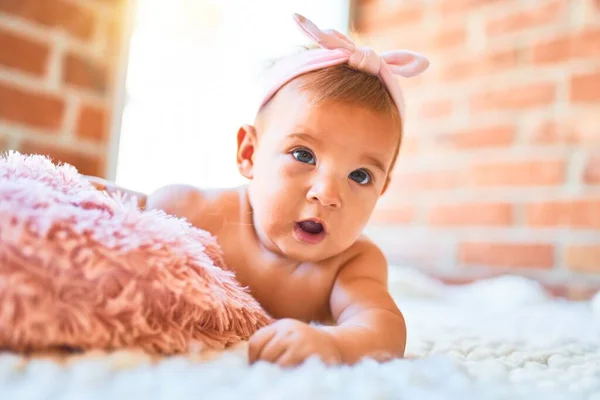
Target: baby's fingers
(274, 348)
(258, 341)
(291, 357)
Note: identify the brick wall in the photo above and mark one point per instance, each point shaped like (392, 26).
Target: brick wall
(500, 170)
(58, 63)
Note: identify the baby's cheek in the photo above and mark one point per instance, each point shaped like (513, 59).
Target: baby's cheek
(360, 208)
(274, 178)
(290, 170)
(293, 172)
(264, 172)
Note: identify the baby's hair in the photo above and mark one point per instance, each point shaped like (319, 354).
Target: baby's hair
(344, 84)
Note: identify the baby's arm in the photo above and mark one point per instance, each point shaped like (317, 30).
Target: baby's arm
(368, 321)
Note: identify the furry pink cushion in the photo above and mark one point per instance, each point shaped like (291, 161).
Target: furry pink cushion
(83, 270)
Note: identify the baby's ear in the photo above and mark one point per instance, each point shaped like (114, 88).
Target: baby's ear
(246, 144)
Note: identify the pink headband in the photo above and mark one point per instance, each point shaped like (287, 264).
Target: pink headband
(337, 49)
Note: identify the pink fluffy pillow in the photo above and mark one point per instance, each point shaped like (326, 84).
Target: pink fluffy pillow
(80, 269)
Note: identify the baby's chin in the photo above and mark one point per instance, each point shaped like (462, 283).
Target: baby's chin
(294, 249)
(307, 256)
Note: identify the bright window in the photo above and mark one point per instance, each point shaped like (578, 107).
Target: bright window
(192, 81)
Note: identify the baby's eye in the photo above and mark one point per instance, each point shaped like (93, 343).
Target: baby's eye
(304, 156)
(361, 176)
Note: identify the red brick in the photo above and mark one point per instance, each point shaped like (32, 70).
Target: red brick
(379, 15)
(35, 109)
(572, 290)
(455, 280)
(553, 132)
(457, 71)
(552, 51)
(585, 88)
(85, 164)
(73, 18)
(585, 43)
(581, 292)
(591, 174)
(402, 38)
(93, 123)
(536, 16)
(436, 109)
(496, 214)
(480, 65)
(424, 180)
(393, 215)
(569, 213)
(516, 98)
(579, 127)
(85, 73)
(572, 46)
(498, 61)
(483, 137)
(453, 6)
(556, 290)
(23, 54)
(583, 258)
(448, 37)
(518, 173)
(511, 255)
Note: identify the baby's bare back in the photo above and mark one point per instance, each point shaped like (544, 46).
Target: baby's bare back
(284, 287)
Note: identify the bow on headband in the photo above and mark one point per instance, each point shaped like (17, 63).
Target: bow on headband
(337, 49)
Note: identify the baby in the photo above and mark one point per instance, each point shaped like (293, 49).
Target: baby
(318, 157)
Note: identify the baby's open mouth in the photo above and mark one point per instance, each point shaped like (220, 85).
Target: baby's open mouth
(311, 227)
(309, 231)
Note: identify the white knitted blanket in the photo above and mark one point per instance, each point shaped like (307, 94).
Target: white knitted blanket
(497, 339)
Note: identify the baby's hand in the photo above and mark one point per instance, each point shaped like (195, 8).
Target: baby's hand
(289, 342)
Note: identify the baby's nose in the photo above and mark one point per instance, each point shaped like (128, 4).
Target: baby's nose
(326, 192)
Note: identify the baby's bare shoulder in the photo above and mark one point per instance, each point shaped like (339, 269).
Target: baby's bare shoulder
(180, 200)
(205, 209)
(364, 259)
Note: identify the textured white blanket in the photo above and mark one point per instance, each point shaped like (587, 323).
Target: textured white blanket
(497, 339)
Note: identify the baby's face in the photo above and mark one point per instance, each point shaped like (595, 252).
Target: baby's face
(317, 173)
